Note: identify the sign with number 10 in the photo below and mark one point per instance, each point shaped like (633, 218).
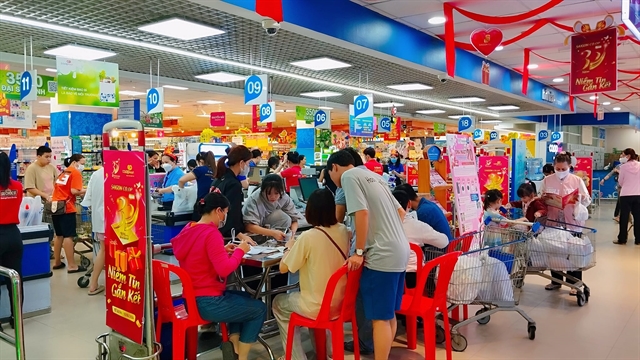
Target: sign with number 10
(256, 90)
(155, 100)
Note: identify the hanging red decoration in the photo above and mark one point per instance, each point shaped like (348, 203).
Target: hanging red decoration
(525, 71)
(270, 8)
(594, 65)
(486, 40)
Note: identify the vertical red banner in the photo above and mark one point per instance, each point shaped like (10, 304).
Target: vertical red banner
(584, 170)
(493, 174)
(594, 62)
(411, 172)
(396, 130)
(126, 241)
(256, 125)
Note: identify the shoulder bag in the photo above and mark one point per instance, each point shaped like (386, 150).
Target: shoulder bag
(344, 256)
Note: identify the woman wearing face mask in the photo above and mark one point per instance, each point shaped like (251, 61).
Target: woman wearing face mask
(615, 173)
(532, 206)
(201, 252)
(629, 195)
(174, 173)
(395, 167)
(228, 184)
(564, 183)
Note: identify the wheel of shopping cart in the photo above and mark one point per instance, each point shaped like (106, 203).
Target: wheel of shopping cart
(458, 342)
(83, 282)
(587, 293)
(440, 335)
(531, 329)
(85, 262)
(485, 320)
(581, 298)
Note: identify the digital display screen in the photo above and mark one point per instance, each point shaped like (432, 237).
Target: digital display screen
(631, 16)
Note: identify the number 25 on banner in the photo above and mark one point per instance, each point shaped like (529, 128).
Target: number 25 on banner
(155, 100)
(256, 89)
(28, 90)
(268, 112)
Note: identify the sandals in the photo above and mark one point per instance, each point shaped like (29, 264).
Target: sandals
(78, 270)
(552, 286)
(58, 267)
(97, 291)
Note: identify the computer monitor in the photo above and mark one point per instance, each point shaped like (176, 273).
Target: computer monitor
(308, 186)
(256, 174)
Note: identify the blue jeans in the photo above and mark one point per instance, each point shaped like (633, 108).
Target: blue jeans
(242, 314)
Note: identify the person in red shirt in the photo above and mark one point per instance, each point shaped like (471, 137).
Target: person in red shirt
(67, 187)
(370, 161)
(11, 194)
(293, 173)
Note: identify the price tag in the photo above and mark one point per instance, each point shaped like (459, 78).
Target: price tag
(155, 100)
(268, 112)
(28, 90)
(543, 135)
(465, 123)
(256, 90)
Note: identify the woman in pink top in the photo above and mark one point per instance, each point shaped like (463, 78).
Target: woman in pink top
(629, 195)
(563, 183)
(200, 250)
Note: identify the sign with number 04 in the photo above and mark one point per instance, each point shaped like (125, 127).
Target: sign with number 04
(268, 112)
(256, 90)
(155, 100)
(28, 89)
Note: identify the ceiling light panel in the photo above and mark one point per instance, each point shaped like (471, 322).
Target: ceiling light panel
(427, 112)
(319, 64)
(209, 102)
(241, 113)
(131, 93)
(503, 107)
(321, 94)
(388, 105)
(221, 77)
(171, 105)
(181, 29)
(467, 99)
(410, 87)
(490, 121)
(325, 107)
(80, 52)
(175, 87)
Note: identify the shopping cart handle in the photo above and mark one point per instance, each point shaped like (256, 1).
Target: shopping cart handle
(487, 220)
(503, 209)
(535, 227)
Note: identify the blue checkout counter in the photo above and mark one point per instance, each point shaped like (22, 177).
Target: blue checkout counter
(36, 273)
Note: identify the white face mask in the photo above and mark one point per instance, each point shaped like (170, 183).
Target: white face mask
(223, 221)
(623, 160)
(167, 167)
(245, 170)
(562, 174)
(80, 167)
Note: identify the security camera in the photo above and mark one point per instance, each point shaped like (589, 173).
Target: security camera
(270, 26)
(443, 78)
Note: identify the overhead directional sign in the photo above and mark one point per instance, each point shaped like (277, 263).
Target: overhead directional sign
(543, 135)
(155, 100)
(28, 89)
(478, 134)
(268, 113)
(493, 136)
(322, 120)
(556, 137)
(256, 90)
(363, 106)
(465, 123)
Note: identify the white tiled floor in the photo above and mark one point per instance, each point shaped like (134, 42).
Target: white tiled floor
(608, 327)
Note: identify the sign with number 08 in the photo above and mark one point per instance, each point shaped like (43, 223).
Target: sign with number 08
(268, 112)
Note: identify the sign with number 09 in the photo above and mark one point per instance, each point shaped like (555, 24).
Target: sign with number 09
(256, 90)
(268, 112)
(155, 100)
(28, 90)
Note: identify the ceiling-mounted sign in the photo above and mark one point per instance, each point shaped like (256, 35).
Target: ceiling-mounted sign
(594, 62)
(360, 127)
(384, 124)
(548, 95)
(363, 106)
(465, 123)
(153, 121)
(268, 113)
(631, 16)
(46, 86)
(543, 135)
(88, 83)
(256, 90)
(493, 136)
(486, 40)
(308, 115)
(439, 129)
(478, 134)
(217, 118)
(322, 120)
(129, 109)
(155, 100)
(28, 88)
(556, 137)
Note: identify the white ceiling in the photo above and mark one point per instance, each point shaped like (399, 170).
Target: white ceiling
(548, 41)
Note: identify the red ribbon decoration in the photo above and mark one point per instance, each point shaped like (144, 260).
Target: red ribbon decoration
(572, 107)
(595, 106)
(525, 72)
(270, 8)
(502, 20)
(450, 40)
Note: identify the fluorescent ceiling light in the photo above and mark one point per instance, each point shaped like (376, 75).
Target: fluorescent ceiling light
(410, 87)
(387, 105)
(80, 52)
(210, 102)
(51, 70)
(173, 117)
(204, 115)
(45, 102)
(222, 77)
(558, 80)
(455, 116)
(434, 111)
(490, 121)
(131, 93)
(43, 116)
(321, 94)
(592, 97)
(606, 103)
(241, 113)
(532, 66)
(503, 107)
(437, 20)
(325, 107)
(616, 109)
(249, 67)
(466, 99)
(499, 48)
(323, 63)
(181, 29)
(171, 105)
(175, 87)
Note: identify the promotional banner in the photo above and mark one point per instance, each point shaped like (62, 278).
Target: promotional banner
(493, 174)
(152, 121)
(360, 127)
(88, 83)
(584, 170)
(5, 105)
(46, 86)
(21, 116)
(218, 118)
(322, 120)
(256, 124)
(518, 165)
(125, 241)
(594, 62)
(396, 130)
(439, 129)
(308, 115)
(466, 186)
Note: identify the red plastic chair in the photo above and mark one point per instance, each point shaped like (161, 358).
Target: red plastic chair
(185, 319)
(417, 305)
(419, 261)
(324, 322)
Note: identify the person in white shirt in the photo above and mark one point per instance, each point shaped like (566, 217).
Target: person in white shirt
(419, 233)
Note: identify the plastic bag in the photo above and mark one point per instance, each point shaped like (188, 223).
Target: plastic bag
(465, 280)
(580, 251)
(496, 283)
(580, 213)
(30, 213)
(184, 199)
(537, 256)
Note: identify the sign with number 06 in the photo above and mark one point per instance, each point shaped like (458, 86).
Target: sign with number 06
(268, 112)
(322, 120)
(256, 90)
(155, 100)
(28, 90)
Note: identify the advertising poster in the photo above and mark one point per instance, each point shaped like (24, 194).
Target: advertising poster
(152, 120)
(10, 84)
(493, 174)
(21, 116)
(308, 115)
(125, 241)
(396, 130)
(439, 129)
(584, 170)
(87, 83)
(466, 186)
(594, 62)
(518, 165)
(5, 105)
(218, 118)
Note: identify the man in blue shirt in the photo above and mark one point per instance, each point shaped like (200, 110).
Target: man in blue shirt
(427, 211)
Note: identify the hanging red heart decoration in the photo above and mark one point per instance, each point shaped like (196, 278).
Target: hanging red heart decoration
(486, 40)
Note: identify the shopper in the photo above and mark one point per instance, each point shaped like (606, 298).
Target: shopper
(256, 157)
(173, 176)
(94, 199)
(548, 170)
(427, 211)
(396, 168)
(201, 252)
(325, 180)
(532, 206)
(303, 162)
(40, 176)
(273, 164)
(153, 162)
(341, 200)
(563, 183)
(381, 246)
(67, 187)
(293, 172)
(371, 162)
(615, 173)
(227, 183)
(316, 254)
(11, 247)
(629, 181)
(203, 174)
(191, 164)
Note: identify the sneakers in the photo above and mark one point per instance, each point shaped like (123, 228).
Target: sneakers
(350, 347)
(552, 286)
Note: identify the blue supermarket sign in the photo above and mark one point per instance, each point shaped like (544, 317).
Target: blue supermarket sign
(493, 135)
(478, 134)
(256, 90)
(28, 92)
(384, 124)
(543, 135)
(319, 118)
(155, 100)
(465, 123)
(556, 136)
(362, 106)
(268, 112)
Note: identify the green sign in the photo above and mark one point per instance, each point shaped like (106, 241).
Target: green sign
(88, 83)
(152, 120)
(10, 84)
(439, 129)
(306, 114)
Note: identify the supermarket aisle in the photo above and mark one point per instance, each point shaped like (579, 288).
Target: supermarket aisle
(608, 327)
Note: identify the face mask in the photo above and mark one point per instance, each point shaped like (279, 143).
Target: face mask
(623, 160)
(245, 170)
(394, 160)
(562, 174)
(80, 167)
(223, 221)
(167, 167)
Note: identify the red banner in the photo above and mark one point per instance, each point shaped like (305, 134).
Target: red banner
(217, 118)
(256, 125)
(584, 170)
(396, 130)
(594, 62)
(125, 241)
(493, 174)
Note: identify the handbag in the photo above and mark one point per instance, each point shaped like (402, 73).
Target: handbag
(55, 207)
(344, 256)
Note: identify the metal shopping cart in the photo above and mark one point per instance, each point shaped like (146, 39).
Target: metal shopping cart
(83, 242)
(489, 276)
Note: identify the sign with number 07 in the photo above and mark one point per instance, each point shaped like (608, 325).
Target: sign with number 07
(28, 90)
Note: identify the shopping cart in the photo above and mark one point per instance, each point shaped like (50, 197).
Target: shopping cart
(561, 248)
(84, 238)
(489, 276)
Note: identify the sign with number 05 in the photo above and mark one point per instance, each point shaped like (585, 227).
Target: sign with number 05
(155, 100)
(268, 112)
(28, 90)
(256, 90)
